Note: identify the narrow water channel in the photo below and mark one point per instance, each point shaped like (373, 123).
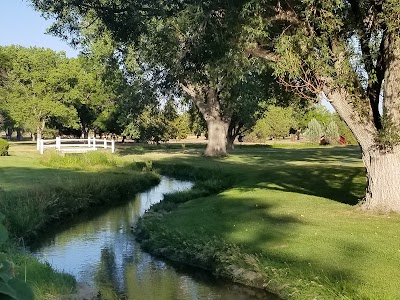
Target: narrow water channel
(100, 251)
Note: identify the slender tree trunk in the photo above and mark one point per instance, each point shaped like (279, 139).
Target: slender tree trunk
(217, 129)
(230, 141)
(38, 134)
(39, 130)
(19, 134)
(9, 133)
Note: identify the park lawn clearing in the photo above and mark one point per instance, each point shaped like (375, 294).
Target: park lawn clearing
(309, 236)
(294, 212)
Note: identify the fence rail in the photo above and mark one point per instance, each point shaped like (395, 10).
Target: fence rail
(75, 145)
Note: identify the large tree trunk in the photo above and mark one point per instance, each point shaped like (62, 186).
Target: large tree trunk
(383, 175)
(382, 163)
(391, 83)
(217, 130)
(207, 101)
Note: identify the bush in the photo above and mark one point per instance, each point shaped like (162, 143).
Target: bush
(314, 131)
(3, 147)
(332, 133)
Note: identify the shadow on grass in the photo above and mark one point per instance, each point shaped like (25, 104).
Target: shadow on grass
(195, 234)
(262, 226)
(334, 173)
(143, 148)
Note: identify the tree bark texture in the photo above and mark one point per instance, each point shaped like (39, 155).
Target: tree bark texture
(382, 163)
(217, 129)
(383, 180)
(382, 166)
(207, 102)
(230, 142)
(392, 79)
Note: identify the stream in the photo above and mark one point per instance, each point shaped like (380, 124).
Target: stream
(100, 251)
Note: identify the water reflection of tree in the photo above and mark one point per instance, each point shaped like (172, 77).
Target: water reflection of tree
(150, 278)
(105, 276)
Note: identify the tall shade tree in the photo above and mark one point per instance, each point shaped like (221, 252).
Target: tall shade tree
(173, 41)
(347, 51)
(4, 67)
(38, 88)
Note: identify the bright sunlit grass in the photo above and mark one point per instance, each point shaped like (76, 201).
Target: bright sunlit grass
(296, 211)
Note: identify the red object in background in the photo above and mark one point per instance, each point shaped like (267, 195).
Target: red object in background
(342, 140)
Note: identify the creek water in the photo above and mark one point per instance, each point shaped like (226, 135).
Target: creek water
(100, 251)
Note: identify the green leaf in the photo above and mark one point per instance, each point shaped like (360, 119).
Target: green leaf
(3, 234)
(24, 292)
(5, 277)
(6, 266)
(6, 290)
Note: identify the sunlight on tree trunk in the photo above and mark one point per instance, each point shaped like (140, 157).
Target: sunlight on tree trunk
(391, 82)
(383, 175)
(217, 129)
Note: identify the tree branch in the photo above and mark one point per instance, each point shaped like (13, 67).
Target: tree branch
(189, 90)
(196, 98)
(290, 16)
(262, 53)
(367, 24)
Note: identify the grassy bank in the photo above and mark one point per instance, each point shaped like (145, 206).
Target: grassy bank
(286, 219)
(38, 191)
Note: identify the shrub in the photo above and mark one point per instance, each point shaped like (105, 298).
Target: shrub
(3, 147)
(332, 133)
(314, 131)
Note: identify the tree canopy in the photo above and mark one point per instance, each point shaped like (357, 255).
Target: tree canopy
(346, 51)
(185, 48)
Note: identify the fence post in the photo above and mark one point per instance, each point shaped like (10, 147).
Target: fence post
(58, 143)
(88, 141)
(37, 144)
(105, 144)
(94, 142)
(112, 146)
(41, 146)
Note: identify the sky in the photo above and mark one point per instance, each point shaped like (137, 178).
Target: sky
(21, 25)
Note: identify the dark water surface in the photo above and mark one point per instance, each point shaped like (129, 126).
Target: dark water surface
(101, 251)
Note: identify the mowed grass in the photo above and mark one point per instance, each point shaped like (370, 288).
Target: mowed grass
(296, 212)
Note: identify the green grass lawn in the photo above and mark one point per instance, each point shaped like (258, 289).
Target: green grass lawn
(292, 211)
(295, 211)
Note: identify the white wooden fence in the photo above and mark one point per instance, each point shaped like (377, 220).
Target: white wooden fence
(75, 145)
